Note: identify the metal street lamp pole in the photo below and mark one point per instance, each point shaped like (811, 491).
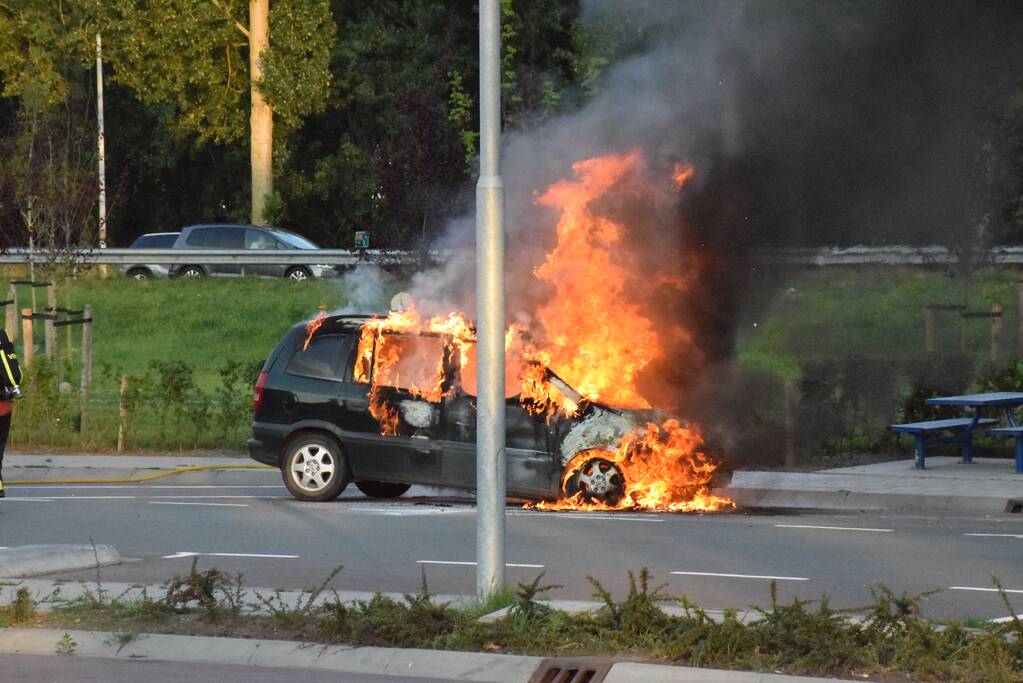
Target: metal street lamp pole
(490, 468)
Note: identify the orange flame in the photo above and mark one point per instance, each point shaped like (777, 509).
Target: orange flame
(663, 470)
(311, 327)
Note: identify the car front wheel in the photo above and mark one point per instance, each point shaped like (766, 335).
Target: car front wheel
(382, 489)
(315, 468)
(192, 271)
(599, 480)
(298, 274)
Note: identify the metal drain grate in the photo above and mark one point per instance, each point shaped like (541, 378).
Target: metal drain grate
(577, 670)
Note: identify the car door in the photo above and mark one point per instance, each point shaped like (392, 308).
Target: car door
(407, 450)
(528, 457)
(227, 237)
(261, 240)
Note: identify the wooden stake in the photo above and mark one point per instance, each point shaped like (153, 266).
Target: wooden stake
(87, 351)
(122, 415)
(997, 325)
(26, 333)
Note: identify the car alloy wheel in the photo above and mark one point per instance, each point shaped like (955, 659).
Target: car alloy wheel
(315, 468)
(192, 272)
(297, 274)
(599, 480)
(138, 274)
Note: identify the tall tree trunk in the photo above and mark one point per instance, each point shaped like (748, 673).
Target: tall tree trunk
(260, 116)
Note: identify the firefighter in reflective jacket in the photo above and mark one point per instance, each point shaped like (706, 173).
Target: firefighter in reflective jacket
(10, 381)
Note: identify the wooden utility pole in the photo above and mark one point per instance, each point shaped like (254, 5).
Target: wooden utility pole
(260, 113)
(122, 414)
(86, 350)
(997, 326)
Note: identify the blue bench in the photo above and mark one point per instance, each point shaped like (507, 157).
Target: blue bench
(1016, 432)
(956, 430)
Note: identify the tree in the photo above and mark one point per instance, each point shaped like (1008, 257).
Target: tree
(199, 57)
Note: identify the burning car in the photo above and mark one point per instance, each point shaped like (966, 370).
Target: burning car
(388, 402)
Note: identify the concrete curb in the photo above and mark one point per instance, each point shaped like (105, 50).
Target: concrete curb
(463, 666)
(30, 560)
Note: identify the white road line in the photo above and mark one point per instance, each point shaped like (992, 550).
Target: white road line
(830, 528)
(982, 590)
(223, 505)
(23, 499)
(587, 515)
(473, 564)
(997, 535)
(1005, 620)
(178, 555)
(744, 576)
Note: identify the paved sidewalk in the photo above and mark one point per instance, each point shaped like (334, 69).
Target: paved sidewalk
(988, 485)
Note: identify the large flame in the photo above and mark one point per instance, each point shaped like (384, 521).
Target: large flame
(592, 331)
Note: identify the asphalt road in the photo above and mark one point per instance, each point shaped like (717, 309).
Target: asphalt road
(76, 669)
(728, 560)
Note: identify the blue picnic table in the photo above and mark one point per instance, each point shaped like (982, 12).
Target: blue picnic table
(962, 428)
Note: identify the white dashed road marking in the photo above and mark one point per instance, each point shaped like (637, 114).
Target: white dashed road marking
(473, 564)
(983, 590)
(829, 528)
(744, 576)
(222, 505)
(178, 555)
(997, 535)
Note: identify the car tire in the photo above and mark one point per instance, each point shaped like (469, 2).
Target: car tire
(315, 467)
(298, 273)
(599, 480)
(191, 272)
(382, 489)
(140, 274)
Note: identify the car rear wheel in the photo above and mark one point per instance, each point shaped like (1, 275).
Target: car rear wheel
(315, 468)
(139, 274)
(382, 489)
(192, 271)
(298, 274)
(599, 481)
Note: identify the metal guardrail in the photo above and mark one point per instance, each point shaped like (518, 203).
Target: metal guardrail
(177, 257)
(824, 256)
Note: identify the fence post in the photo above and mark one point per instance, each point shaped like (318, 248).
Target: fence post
(86, 349)
(997, 324)
(1019, 317)
(929, 329)
(122, 415)
(790, 423)
(26, 333)
(11, 312)
(50, 332)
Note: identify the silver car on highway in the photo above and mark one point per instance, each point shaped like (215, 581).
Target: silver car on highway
(145, 270)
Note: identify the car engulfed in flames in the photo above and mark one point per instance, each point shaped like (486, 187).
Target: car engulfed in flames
(574, 369)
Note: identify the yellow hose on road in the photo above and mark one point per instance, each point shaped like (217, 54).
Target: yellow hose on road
(149, 477)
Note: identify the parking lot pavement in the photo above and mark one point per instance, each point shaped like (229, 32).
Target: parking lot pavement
(254, 527)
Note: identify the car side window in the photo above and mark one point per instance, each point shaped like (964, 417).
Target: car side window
(228, 238)
(322, 359)
(200, 237)
(257, 239)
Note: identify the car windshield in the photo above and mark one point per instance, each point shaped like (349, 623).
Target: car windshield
(294, 241)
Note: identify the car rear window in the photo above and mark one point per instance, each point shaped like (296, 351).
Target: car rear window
(409, 362)
(322, 359)
(220, 237)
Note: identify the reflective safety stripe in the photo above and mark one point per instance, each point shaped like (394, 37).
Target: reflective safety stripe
(7, 367)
